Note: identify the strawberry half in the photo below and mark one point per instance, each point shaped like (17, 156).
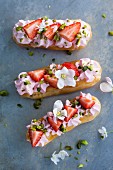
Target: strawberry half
(35, 136)
(54, 125)
(31, 28)
(69, 65)
(86, 103)
(36, 75)
(69, 32)
(70, 112)
(51, 80)
(50, 32)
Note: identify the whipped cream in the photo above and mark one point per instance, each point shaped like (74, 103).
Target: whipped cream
(89, 69)
(41, 41)
(74, 121)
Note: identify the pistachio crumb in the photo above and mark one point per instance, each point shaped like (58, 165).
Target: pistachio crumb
(110, 33)
(19, 105)
(31, 53)
(78, 152)
(80, 166)
(103, 15)
(68, 148)
(4, 93)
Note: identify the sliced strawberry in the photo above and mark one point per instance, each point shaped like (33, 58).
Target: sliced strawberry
(36, 75)
(70, 112)
(69, 65)
(69, 32)
(86, 103)
(31, 28)
(50, 32)
(35, 136)
(51, 80)
(54, 125)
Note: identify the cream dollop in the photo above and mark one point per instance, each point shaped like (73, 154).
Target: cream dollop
(91, 72)
(38, 41)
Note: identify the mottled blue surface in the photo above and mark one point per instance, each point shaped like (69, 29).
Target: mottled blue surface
(15, 152)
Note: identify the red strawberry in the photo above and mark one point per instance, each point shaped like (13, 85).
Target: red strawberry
(36, 75)
(35, 136)
(54, 125)
(31, 28)
(51, 80)
(50, 32)
(70, 112)
(69, 32)
(69, 65)
(86, 103)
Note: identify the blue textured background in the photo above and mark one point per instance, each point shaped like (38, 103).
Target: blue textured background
(15, 152)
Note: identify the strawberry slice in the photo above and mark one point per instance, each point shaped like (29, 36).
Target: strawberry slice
(86, 103)
(50, 32)
(51, 80)
(36, 75)
(31, 28)
(69, 65)
(70, 112)
(35, 136)
(69, 32)
(54, 125)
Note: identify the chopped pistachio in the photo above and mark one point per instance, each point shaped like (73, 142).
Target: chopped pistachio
(78, 41)
(76, 158)
(47, 157)
(85, 68)
(78, 35)
(56, 37)
(110, 33)
(84, 142)
(78, 152)
(45, 18)
(33, 127)
(19, 28)
(44, 130)
(62, 26)
(54, 20)
(31, 53)
(85, 26)
(19, 105)
(68, 52)
(80, 166)
(37, 103)
(103, 15)
(79, 145)
(53, 60)
(5, 124)
(23, 75)
(34, 120)
(44, 55)
(90, 67)
(50, 72)
(62, 128)
(27, 48)
(4, 93)
(68, 148)
(21, 39)
(75, 77)
(38, 89)
(41, 81)
(27, 82)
